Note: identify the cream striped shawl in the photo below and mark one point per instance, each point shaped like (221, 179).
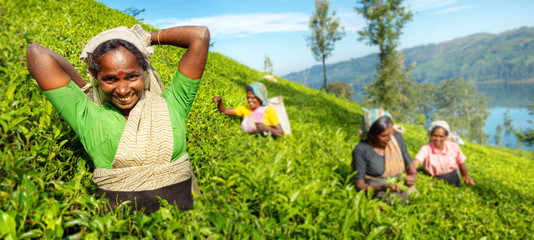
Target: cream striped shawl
(142, 161)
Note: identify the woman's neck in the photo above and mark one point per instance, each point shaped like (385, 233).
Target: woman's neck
(439, 148)
(125, 112)
(375, 144)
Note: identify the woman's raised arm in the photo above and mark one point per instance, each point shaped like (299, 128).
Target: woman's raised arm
(197, 41)
(222, 109)
(50, 69)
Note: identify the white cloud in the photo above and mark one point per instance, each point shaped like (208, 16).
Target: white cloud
(352, 21)
(239, 25)
(236, 25)
(422, 5)
(452, 9)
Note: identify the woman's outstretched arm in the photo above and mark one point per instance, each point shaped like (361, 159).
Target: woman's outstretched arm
(467, 179)
(275, 130)
(197, 41)
(222, 109)
(50, 69)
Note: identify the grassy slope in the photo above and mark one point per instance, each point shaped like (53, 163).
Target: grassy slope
(295, 187)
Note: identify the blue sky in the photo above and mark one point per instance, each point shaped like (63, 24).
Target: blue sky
(247, 30)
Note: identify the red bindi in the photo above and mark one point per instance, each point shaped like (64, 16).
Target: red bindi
(120, 73)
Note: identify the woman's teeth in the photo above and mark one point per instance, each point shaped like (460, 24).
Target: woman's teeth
(123, 99)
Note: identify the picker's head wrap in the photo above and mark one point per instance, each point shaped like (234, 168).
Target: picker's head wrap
(141, 40)
(441, 124)
(370, 117)
(259, 91)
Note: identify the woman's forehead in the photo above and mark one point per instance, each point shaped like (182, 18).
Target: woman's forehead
(439, 131)
(119, 60)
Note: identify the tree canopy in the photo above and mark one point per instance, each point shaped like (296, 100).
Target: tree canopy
(385, 19)
(527, 136)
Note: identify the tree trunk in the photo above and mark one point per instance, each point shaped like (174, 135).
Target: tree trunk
(324, 73)
(382, 55)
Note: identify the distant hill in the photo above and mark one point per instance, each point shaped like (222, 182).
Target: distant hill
(500, 65)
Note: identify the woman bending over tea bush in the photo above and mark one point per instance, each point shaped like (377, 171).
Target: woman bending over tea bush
(381, 157)
(134, 130)
(442, 157)
(257, 116)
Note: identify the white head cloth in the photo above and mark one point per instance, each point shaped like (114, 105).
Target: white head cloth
(140, 39)
(442, 124)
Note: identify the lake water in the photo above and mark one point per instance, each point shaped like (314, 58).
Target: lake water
(519, 117)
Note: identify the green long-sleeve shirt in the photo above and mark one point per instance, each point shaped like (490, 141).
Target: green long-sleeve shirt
(100, 127)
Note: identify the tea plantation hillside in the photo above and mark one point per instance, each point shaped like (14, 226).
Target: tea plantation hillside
(297, 187)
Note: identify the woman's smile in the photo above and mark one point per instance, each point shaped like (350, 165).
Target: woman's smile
(438, 138)
(125, 99)
(252, 100)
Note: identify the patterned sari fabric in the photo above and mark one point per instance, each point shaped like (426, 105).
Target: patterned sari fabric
(142, 161)
(394, 162)
(249, 123)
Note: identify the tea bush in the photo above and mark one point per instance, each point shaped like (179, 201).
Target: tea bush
(298, 186)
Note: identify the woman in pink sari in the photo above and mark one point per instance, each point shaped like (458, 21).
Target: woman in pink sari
(258, 117)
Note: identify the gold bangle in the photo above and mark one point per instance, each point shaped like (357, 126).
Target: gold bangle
(158, 37)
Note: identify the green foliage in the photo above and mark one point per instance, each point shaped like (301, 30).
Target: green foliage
(392, 89)
(458, 103)
(268, 65)
(340, 90)
(526, 136)
(325, 32)
(508, 128)
(385, 19)
(297, 187)
(498, 135)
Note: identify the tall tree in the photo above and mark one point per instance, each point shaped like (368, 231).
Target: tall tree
(498, 135)
(527, 136)
(423, 98)
(268, 65)
(508, 128)
(325, 32)
(385, 20)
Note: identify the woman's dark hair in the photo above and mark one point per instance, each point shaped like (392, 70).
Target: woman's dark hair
(94, 58)
(439, 127)
(249, 88)
(379, 126)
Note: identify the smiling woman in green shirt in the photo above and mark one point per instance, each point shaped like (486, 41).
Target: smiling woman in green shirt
(134, 129)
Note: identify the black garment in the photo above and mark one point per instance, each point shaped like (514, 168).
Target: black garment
(179, 193)
(451, 178)
(366, 161)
